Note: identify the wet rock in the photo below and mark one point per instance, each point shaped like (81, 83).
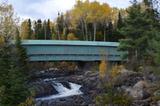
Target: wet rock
(66, 101)
(66, 84)
(44, 89)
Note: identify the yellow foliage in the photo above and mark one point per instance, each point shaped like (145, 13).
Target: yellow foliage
(71, 36)
(29, 102)
(102, 68)
(1, 40)
(70, 66)
(116, 70)
(24, 32)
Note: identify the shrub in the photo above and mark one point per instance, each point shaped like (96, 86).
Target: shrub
(111, 95)
(29, 102)
(102, 69)
(117, 98)
(116, 70)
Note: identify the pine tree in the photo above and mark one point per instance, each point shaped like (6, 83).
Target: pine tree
(13, 89)
(48, 29)
(13, 77)
(39, 30)
(140, 29)
(30, 29)
(110, 32)
(120, 21)
(44, 30)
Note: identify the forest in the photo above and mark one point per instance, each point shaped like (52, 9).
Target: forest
(133, 82)
(88, 21)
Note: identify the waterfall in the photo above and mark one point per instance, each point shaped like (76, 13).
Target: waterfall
(63, 91)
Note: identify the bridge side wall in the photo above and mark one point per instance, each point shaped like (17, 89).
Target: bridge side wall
(72, 53)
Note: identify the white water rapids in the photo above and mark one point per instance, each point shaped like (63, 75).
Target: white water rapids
(63, 91)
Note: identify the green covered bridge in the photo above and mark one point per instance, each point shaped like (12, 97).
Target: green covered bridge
(60, 50)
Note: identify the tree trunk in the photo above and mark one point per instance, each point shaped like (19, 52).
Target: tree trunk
(83, 31)
(58, 34)
(95, 29)
(45, 32)
(104, 34)
(86, 30)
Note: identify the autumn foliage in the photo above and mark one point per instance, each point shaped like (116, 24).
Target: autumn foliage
(102, 68)
(71, 36)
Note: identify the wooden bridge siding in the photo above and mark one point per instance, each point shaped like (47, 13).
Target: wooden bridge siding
(72, 52)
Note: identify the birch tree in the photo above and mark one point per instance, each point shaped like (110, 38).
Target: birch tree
(8, 22)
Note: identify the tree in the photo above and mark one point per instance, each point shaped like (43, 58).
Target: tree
(139, 36)
(39, 32)
(120, 21)
(60, 25)
(26, 29)
(30, 29)
(7, 22)
(87, 17)
(79, 17)
(71, 36)
(48, 29)
(13, 89)
(44, 29)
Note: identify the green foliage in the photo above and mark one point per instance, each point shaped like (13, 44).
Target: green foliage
(140, 29)
(71, 36)
(29, 102)
(26, 30)
(39, 30)
(112, 96)
(13, 77)
(116, 98)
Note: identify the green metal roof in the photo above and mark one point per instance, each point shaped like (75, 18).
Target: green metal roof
(66, 42)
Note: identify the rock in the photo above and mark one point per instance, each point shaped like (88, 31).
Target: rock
(145, 102)
(66, 84)
(128, 78)
(38, 103)
(44, 89)
(158, 103)
(139, 90)
(157, 93)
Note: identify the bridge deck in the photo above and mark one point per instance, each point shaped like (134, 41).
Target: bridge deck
(56, 50)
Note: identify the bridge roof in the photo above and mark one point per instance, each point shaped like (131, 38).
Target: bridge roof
(66, 42)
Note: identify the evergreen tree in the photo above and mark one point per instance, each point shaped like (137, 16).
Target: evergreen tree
(44, 30)
(30, 29)
(140, 29)
(48, 29)
(39, 30)
(13, 77)
(60, 25)
(120, 21)
(110, 32)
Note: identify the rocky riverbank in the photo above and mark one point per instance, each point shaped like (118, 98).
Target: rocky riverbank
(143, 89)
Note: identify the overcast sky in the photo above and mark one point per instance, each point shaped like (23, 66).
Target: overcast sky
(44, 9)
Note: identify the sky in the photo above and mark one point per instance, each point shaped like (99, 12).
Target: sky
(48, 9)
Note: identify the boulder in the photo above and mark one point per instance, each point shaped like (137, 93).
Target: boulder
(158, 103)
(66, 84)
(44, 89)
(138, 91)
(128, 78)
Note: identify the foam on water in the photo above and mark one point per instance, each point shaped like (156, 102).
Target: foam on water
(63, 91)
